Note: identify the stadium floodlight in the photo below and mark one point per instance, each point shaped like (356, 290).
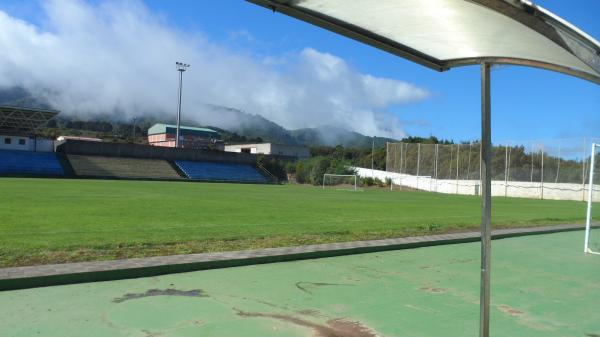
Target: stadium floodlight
(181, 67)
(460, 33)
(340, 179)
(588, 223)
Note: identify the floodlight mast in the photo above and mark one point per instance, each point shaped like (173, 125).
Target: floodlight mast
(181, 67)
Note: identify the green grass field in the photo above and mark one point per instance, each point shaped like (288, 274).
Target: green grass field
(56, 220)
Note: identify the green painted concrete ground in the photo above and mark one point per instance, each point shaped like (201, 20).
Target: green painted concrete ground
(542, 286)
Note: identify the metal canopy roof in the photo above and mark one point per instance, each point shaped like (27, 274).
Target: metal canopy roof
(23, 120)
(442, 34)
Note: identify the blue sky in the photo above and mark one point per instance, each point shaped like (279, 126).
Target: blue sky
(526, 103)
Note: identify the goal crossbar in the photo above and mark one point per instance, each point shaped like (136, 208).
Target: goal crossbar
(588, 221)
(339, 175)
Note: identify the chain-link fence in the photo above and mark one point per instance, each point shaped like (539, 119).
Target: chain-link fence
(550, 169)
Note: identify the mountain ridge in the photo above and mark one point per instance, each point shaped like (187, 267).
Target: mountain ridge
(234, 125)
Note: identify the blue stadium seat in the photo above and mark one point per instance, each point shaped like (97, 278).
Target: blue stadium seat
(231, 172)
(29, 163)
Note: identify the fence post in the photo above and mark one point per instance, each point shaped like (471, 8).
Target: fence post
(505, 171)
(396, 157)
(450, 162)
(542, 175)
(531, 154)
(583, 161)
(387, 155)
(418, 162)
(436, 166)
(401, 152)
(457, 158)
(469, 162)
(558, 164)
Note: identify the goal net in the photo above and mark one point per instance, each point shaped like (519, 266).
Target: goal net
(339, 181)
(592, 233)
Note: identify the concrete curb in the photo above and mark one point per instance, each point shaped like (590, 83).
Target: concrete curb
(70, 273)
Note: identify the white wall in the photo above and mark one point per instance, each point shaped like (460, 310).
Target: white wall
(518, 189)
(254, 148)
(13, 143)
(23, 143)
(269, 148)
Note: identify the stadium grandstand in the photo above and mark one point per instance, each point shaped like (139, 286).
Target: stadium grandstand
(235, 172)
(24, 153)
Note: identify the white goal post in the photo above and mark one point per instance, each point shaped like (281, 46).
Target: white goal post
(588, 222)
(347, 177)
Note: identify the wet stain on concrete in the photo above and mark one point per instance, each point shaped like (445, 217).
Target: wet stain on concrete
(509, 310)
(159, 292)
(272, 305)
(310, 312)
(453, 261)
(306, 286)
(433, 290)
(332, 328)
(149, 333)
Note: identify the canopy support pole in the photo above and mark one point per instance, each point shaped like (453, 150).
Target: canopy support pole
(486, 201)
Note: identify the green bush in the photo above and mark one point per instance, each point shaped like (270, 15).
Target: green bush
(369, 181)
(301, 172)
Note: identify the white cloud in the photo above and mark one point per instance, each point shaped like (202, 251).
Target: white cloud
(120, 56)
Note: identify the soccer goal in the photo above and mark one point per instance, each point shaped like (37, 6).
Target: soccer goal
(340, 181)
(592, 236)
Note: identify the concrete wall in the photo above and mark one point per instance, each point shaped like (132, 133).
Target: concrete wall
(518, 189)
(151, 152)
(264, 148)
(25, 143)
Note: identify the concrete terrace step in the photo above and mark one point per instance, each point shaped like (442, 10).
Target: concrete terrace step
(98, 166)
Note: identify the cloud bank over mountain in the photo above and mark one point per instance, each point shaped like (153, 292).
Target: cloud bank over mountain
(119, 56)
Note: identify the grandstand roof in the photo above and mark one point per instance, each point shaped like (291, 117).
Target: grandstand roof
(442, 34)
(16, 119)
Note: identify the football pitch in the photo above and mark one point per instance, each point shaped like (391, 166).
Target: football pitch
(542, 286)
(63, 220)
